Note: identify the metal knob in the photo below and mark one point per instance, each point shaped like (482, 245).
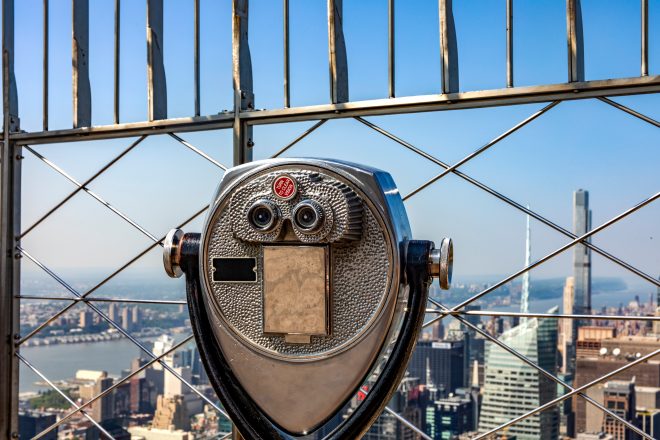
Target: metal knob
(172, 253)
(441, 262)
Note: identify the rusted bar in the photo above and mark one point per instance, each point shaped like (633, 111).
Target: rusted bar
(242, 73)
(575, 41)
(337, 53)
(156, 84)
(448, 47)
(82, 95)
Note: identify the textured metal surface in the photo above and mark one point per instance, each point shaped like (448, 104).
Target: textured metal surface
(342, 208)
(356, 299)
(369, 313)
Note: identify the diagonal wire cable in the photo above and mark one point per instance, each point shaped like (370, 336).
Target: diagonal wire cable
(93, 194)
(407, 423)
(541, 370)
(509, 201)
(547, 315)
(630, 111)
(105, 280)
(401, 419)
(552, 254)
(63, 394)
(114, 386)
(198, 151)
(568, 395)
(302, 136)
(119, 328)
(83, 185)
(110, 300)
(480, 150)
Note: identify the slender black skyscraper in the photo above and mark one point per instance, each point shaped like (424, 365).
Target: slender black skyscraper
(581, 254)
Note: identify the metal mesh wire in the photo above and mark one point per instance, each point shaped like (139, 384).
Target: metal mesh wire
(458, 312)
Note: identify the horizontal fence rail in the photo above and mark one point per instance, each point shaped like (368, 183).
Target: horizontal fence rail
(241, 120)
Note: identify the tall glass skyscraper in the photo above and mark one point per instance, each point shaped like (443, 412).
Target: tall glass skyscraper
(513, 388)
(581, 253)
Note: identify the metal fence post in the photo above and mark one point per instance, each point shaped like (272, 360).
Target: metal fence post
(575, 41)
(82, 94)
(10, 180)
(337, 52)
(156, 83)
(242, 73)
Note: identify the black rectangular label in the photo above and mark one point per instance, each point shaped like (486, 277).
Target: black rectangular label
(235, 270)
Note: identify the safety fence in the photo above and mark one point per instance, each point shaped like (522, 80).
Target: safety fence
(241, 120)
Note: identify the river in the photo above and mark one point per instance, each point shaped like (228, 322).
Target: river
(61, 361)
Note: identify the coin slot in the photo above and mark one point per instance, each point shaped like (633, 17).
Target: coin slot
(235, 270)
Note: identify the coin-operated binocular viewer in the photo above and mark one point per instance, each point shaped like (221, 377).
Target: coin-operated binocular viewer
(304, 285)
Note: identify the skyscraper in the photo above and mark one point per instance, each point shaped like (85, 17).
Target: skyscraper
(524, 297)
(446, 360)
(619, 396)
(581, 254)
(566, 343)
(512, 387)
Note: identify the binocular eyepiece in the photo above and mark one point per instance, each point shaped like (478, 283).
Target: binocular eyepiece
(305, 276)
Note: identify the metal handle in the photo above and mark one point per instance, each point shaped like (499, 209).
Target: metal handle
(441, 262)
(172, 253)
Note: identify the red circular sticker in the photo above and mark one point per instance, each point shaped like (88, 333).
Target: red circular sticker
(284, 187)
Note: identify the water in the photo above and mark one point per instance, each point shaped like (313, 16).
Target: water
(599, 300)
(58, 362)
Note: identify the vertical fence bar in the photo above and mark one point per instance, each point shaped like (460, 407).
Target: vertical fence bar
(575, 41)
(82, 95)
(44, 89)
(156, 84)
(287, 92)
(509, 43)
(390, 49)
(10, 180)
(448, 47)
(242, 73)
(197, 94)
(117, 59)
(337, 53)
(645, 38)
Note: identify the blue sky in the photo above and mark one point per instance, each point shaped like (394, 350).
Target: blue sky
(581, 144)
